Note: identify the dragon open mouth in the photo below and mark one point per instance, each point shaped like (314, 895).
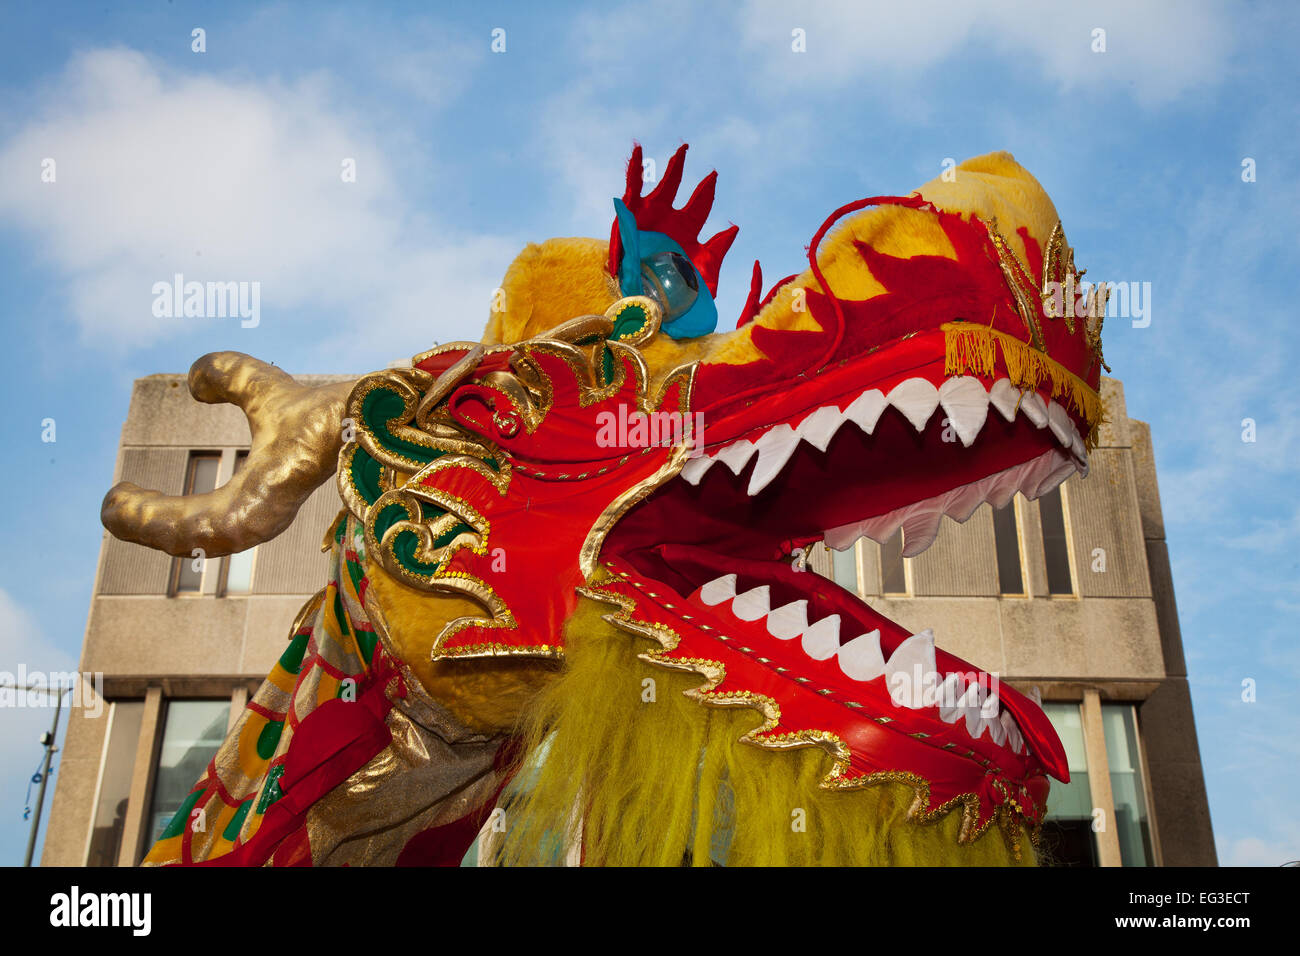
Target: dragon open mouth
(721, 545)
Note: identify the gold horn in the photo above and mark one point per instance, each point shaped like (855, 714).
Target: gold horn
(297, 433)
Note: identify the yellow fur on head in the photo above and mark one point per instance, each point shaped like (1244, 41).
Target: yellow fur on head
(549, 284)
(666, 781)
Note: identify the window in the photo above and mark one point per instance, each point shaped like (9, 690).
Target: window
(238, 572)
(237, 569)
(200, 478)
(123, 737)
(192, 732)
(893, 573)
(844, 567)
(1056, 549)
(1006, 539)
(1132, 824)
(1067, 829)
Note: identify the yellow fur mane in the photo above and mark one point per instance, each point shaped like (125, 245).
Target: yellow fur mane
(656, 779)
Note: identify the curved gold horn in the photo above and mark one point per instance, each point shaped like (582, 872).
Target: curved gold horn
(297, 434)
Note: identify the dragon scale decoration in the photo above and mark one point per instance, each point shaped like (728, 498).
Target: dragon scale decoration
(568, 608)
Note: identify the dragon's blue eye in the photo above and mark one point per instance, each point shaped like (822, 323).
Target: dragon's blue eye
(670, 278)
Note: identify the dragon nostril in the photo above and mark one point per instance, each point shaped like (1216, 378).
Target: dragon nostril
(507, 423)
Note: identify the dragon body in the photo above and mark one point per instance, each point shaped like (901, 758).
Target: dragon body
(568, 599)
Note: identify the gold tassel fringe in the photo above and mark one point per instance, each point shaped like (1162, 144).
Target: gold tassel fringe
(973, 348)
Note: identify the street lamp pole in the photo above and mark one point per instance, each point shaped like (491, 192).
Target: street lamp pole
(48, 740)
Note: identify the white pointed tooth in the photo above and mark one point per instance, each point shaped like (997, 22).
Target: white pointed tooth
(787, 623)
(822, 640)
(1077, 446)
(695, 468)
(997, 733)
(990, 711)
(1034, 408)
(752, 605)
(968, 706)
(1034, 472)
(967, 405)
(1055, 469)
(1014, 740)
(820, 427)
(736, 455)
(843, 537)
(991, 705)
(865, 410)
(861, 659)
(917, 399)
(774, 450)
(910, 670)
(719, 590)
(950, 694)
(921, 527)
(1000, 494)
(1008, 482)
(969, 700)
(882, 527)
(1004, 397)
(1058, 419)
(960, 503)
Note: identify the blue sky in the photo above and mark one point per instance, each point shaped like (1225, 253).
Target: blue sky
(226, 165)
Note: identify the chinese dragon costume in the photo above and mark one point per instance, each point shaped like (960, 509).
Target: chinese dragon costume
(569, 605)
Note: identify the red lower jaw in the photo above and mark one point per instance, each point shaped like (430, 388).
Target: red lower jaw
(685, 569)
(808, 702)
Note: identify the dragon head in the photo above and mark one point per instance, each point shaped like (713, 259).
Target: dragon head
(605, 442)
(923, 365)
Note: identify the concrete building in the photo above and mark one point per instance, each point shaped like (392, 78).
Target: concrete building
(1069, 597)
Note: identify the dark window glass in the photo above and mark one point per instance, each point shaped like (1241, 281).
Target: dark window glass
(124, 722)
(201, 478)
(1056, 549)
(1067, 843)
(1068, 838)
(193, 731)
(1131, 822)
(893, 577)
(1006, 538)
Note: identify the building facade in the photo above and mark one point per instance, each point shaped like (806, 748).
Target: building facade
(1068, 598)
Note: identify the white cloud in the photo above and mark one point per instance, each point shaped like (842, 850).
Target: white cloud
(160, 172)
(23, 643)
(586, 143)
(1164, 49)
